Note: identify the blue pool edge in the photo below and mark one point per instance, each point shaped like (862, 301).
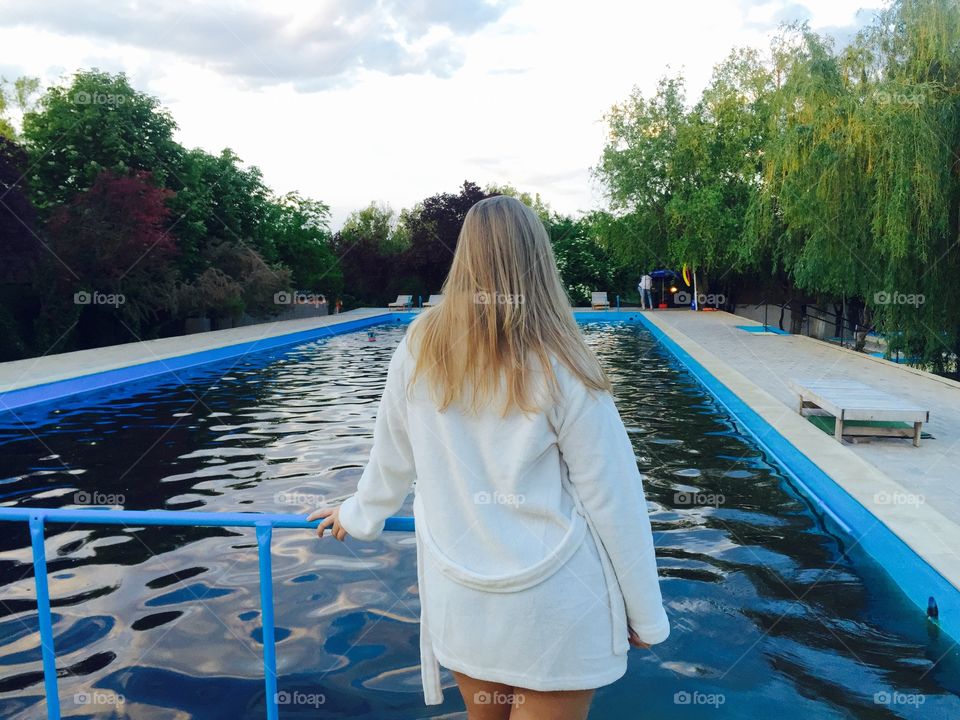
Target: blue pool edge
(92, 382)
(918, 580)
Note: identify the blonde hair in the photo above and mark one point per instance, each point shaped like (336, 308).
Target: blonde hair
(503, 304)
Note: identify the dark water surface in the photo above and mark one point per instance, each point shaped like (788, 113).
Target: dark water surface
(773, 615)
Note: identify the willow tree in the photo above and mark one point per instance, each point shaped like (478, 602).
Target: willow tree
(914, 151)
(809, 218)
(835, 170)
(860, 191)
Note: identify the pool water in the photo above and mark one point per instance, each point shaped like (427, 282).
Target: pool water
(773, 612)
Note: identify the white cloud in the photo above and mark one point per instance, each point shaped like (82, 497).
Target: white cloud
(405, 99)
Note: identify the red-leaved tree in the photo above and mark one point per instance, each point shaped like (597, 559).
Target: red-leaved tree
(111, 263)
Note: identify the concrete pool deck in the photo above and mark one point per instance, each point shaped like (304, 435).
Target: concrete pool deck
(912, 490)
(52, 368)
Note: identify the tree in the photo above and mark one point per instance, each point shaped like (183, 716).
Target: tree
(257, 280)
(583, 264)
(715, 170)
(110, 268)
(534, 202)
(113, 207)
(368, 249)
(834, 176)
(433, 229)
(19, 243)
(20, 94)
(99, 122)
(861, 174)
(635, 170)
(301, 235)
(20, 249)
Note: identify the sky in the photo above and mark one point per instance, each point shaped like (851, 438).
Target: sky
(353, 101)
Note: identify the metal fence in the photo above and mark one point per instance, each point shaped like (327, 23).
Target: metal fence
(37, 518)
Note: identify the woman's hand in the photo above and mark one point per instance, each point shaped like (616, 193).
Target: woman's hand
(332, 521)
(635, 640)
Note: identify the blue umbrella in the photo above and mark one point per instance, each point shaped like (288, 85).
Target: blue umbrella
(662, 275)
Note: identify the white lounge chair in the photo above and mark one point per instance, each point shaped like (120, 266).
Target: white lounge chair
(434, 300)
(600, 301)
(860, 409)
(403, 302)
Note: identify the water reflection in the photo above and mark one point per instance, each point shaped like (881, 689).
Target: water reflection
(771, 612)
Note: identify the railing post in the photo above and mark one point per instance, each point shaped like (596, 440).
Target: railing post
(43, 617)
(264, 534)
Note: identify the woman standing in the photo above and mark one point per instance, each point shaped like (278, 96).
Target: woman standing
(535, 556)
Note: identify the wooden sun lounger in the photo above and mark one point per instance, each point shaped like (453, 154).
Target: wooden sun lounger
(860, 409)
(600, 301)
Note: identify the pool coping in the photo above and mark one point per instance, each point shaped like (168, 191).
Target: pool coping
(902, 539)
(908, 541)
(152, 358)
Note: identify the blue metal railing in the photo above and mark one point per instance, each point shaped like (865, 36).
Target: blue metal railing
(263, 523)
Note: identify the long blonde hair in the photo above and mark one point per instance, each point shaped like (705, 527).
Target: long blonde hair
(503, 304)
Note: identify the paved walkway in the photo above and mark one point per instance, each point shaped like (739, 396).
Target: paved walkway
(49, 368)
(757, 368)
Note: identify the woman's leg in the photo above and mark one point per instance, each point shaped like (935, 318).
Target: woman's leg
(484, 700)
(558, 705)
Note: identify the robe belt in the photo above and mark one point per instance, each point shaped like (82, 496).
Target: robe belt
(510, 582)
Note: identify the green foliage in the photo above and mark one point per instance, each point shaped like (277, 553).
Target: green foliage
(218, 199)
(383, 255)
(110, 241)
(535, 202)
(122, 209)
(301, 235)
(19, 93)
(833, 173)
(432, 229)
(584, 265)
(99, 122)
(369, 247)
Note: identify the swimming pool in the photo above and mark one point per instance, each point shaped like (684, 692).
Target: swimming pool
(771, 611)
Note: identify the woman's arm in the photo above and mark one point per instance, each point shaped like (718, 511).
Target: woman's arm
(390, 472)
(603, 470)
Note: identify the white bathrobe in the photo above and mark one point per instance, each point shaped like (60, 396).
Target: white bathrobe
(534, 548)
